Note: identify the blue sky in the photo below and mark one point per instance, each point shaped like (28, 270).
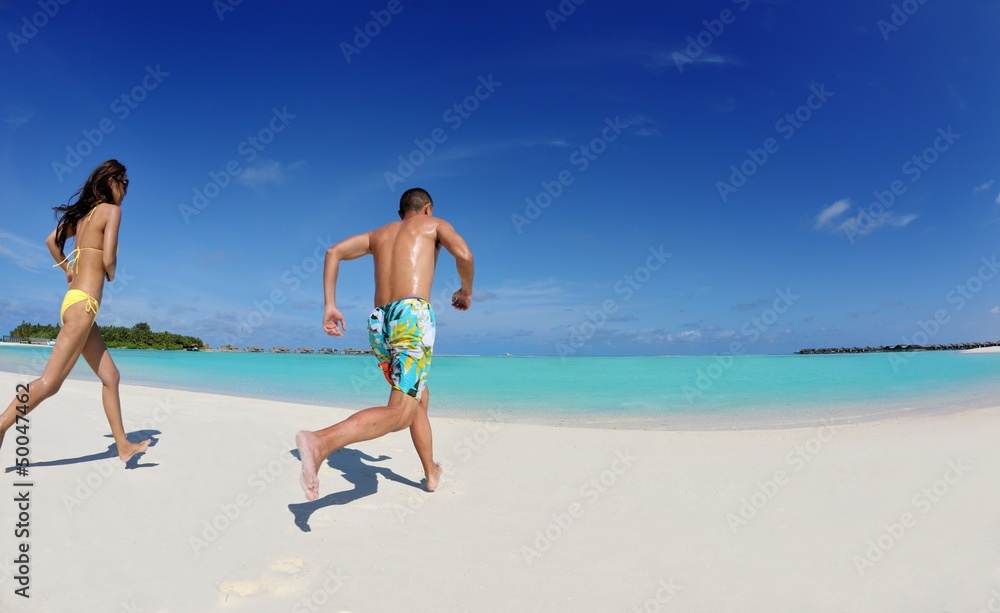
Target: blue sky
(633, 178)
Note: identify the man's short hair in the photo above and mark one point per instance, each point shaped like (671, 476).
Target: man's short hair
(414, 199)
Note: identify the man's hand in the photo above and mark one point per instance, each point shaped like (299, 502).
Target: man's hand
(333, 322)
(461, 300)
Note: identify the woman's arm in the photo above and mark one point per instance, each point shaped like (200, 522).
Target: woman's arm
(58, 256)
(111, 241)
(61, 260)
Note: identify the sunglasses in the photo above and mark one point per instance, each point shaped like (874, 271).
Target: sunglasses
(124, 182)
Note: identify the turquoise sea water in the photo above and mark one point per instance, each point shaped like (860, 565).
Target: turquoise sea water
(713, 392)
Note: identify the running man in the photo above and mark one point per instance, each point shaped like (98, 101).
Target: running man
(401, 330)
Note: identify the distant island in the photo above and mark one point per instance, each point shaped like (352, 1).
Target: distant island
(301, 350)
(896, 348)
(139, 336)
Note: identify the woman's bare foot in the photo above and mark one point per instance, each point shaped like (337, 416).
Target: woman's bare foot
(434, 477)
(125, 454)
(307, 444)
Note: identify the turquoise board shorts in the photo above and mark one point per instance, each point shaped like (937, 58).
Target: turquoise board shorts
(401, 334)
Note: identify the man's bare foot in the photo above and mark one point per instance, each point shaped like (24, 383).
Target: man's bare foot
(308, 444)
(125, 454)
(433, 477)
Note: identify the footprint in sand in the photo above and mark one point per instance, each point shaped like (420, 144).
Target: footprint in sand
(280, 578)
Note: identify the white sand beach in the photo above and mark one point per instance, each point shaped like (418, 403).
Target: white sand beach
(895, 515)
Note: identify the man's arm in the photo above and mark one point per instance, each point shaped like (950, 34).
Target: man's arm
(453, 242)
(347, 249)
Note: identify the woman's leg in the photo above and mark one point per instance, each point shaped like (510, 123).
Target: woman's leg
(69, 344)
(99, 358)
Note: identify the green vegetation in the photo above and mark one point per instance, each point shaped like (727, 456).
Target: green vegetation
(138, 336)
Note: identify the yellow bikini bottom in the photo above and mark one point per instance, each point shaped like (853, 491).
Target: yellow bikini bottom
(76, 295)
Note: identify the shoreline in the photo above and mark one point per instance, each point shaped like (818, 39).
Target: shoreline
(747, 417)
(670, 423)
(576, 518)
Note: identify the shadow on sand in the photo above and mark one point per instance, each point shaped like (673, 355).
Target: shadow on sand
(363, 476)
(112, 452)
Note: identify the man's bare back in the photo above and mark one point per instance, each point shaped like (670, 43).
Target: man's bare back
(405, 255)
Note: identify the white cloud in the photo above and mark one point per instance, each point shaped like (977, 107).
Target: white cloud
(268, 172)
(657, 59)
(826, 217)
(998, 199)
(640, 125)
(471, 151)
(864, 223)
(688, 335)
(16, 118)
(902, 222)
(26, 255)
(995, 310)
(983, 187)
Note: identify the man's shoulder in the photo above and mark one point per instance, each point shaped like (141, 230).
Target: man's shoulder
(383, 229)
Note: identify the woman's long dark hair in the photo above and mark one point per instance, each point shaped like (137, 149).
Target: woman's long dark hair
(96, 190)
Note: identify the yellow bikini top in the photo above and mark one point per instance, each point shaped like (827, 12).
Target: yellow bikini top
(74, 256)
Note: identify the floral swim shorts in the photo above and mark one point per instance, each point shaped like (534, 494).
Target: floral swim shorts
(401, 334)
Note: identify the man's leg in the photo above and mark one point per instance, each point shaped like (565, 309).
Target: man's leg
(420, 432)
(364, 425)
